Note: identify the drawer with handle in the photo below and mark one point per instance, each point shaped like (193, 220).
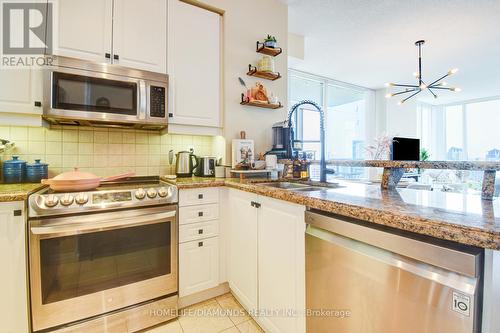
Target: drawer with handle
(198, 196)
(195, 231)
(199, 213)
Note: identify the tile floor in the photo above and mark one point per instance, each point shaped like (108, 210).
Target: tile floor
(222, 314)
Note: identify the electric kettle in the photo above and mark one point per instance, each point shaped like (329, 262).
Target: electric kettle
(185, 163)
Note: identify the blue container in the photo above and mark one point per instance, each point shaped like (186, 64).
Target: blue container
(14, 170)
(37, 171)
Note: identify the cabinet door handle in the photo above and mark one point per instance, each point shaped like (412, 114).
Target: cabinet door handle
(107, 55)
(200, 244)
(200, 232)
(116, 56)
(200, 214)
(252, 203)
(256, 205)
(38, 104)
(170, 115)
(200, 196)
(18, 212)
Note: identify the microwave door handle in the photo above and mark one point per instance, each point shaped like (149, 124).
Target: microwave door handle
(142, 100)
(82, 228)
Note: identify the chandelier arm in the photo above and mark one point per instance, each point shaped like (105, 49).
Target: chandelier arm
(442, 77)
(414, 94)
(432, 92)
(404, 92)
(404, 85)
(442, 88)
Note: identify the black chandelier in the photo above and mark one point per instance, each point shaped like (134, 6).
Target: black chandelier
(438, 84)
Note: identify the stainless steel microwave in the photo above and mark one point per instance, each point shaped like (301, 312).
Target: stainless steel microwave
(78, 92)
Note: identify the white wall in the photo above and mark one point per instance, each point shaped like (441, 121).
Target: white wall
(245, 22)
(394, 119)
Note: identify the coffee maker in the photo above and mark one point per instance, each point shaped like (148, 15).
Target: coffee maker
(281, 141)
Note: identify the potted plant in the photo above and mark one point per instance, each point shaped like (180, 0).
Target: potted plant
(270, 41)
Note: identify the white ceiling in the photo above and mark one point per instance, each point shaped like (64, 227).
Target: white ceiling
(371, 42)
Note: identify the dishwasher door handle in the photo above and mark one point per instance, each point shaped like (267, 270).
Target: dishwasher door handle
(450, 279)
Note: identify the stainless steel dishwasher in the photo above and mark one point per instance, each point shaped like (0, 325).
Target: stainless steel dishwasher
(361, 279)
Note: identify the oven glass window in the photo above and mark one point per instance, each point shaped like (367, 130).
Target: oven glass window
(83, 93)
(74, 266)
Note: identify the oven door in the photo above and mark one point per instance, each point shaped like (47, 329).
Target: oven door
(89, 265)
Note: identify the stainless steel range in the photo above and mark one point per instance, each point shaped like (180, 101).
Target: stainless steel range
(104, 256)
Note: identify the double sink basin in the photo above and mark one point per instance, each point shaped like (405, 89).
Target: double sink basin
(302, 186)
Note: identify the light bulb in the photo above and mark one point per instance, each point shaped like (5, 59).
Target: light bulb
(457, 89)
(444, 83)
(400, 102)
(415, 74)
(389, 84)
(388, 95)
(453, 71)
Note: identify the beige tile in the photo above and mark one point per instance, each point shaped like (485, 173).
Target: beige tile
(53, 135)
(100, 161)
(154, 160)
(70, 148)
(141, 149)
(206, 317)
(141, 138)
(21, 147)
(5, 132)
(235, 311)
(70, 161)
(128, 148)
(170, 327)
(85, 148)
(53, 147)
(36, 134)
(154, 138)
(115, 148)
(85, 161)
(18, 133)
(153, 171)
(141, 160)
(100, 137)
(141, 171)
(70, 135)
(176, 139)
(187, 140)
(85, 136)
(128, 160)
(54, 161)
(154, 149)
(128, 137)
(100, 149)
(36, 147)
(115, 137)
(166, 139)
(115, 161)
(249, 326)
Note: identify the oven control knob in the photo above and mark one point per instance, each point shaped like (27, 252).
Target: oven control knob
(51, 201)
(162, 192)
(67, 200)
(140, 194)
(152, 193)
(82, 199)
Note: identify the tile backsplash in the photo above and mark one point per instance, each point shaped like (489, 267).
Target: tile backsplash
(103, 151)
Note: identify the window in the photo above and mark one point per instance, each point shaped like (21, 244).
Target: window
(465, 131)
(345, 125)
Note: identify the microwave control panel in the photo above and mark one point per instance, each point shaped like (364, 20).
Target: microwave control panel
(157, 102)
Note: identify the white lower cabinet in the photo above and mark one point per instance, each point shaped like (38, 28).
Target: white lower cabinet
(13, 280)
(198, 240)
(266, 267)
(199, 268)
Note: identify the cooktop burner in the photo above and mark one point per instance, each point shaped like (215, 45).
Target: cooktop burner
(119, 194)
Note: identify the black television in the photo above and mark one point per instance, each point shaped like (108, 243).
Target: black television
(405, 149)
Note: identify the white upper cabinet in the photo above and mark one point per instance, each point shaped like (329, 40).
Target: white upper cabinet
(21, 91)
(140, 34)
(130, 33)
(83, 29)
(194, 57)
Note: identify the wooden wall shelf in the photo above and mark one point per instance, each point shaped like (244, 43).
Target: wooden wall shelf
(252, 71)
(268, 50)
(246, 101)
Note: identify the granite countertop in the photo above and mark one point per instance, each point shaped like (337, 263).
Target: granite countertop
(456, 217)
(17, 192)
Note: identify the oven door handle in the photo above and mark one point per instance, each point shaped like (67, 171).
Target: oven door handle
(82, 228)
